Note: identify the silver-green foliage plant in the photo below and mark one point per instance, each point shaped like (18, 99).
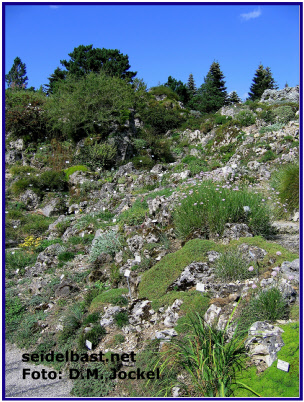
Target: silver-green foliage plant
(232, 266)
(107, 242)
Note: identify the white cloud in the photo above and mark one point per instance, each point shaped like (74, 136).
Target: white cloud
(53, 7)
(252, 14)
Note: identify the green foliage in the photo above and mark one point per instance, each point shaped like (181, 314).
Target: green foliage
(208, 210)
(267, 156)
(274, 383)
(97, 155)
(25, 114)
(284, 114)
(91, 319)
(49, 180)
(94, 336)
(212, 94)
(86, 59)
(164, 90)
(121, 319)
(91, 105)
(108, 242)
(265, 305)
(143, 162)
(219, 119)
(245, 118)
(271, 128)
(195, 165)
(73, 169)
(232, 266)
(93, 387)
(109, 296)
(14, 309)
(72, 321)
(66, 256)
(207, 357)
(136, 214)
(286, 181)
(119, 338)
(18, 259)
(262, 80)
(162, 119)
(179, 88)
(155, 281)
(17, 78)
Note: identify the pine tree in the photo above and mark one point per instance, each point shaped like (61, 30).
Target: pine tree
(16, 78)
(212, 94)
(54, 78)
(233, 98)
(191, 86)
(262, 80)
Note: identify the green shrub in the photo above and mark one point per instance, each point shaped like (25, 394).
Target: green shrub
(121, 319)
(94, 336)
(143, 162)
(162, 119)
(14, 309)
(208, 210)
(119, 338)
(72, 321)
(232, 266)
(66, 256)
(22, 170)
(90, 105)
(163, 90)
(97, 155)
(245, 118)
(286, 181)
(108, 242)
(25, 114)
(139, 144)
(46, 181)
(284, 114)
(219, 119)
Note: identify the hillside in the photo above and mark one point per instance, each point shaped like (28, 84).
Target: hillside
(176, 199)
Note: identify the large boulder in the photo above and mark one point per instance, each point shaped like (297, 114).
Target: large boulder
(283, 95)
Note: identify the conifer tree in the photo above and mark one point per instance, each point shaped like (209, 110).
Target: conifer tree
(17, 78)
(212, 94)
(233, 98)
(262, 80)
(191, 86)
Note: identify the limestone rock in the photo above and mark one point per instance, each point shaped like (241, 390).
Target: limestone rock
(30, 199)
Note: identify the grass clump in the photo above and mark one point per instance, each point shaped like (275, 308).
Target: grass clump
(78, 168)
(136, 214)
(286, 181)
(210, 207)
(231, 266)
(209, 360)
(121, 319)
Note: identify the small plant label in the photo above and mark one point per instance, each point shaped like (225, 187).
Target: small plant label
(283, 365)
(88, 344)
(127, 273)
(138, 258)
(200, 287)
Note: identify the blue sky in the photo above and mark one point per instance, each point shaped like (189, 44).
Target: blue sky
(160, 40)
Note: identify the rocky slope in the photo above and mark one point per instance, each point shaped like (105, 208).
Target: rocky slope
(70, 250)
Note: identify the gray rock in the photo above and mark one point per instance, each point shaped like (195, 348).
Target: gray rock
(53, 207)
(108, 318)
(12, 157)
(158, 168)
(289, 94)
(128, 169)
(135, 243)
(65, 288)
(140, 311)
(234, 231)
(291, 269)
(196, 272)
(30, 199)
(212, 314)
(17, 145)
(263, 342)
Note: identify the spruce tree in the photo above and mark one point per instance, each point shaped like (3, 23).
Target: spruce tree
(212, 94)
(233, 98)
(191, 86)
(262, 80)
(17, 78)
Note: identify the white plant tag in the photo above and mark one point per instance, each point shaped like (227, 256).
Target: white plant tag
(88, 344)
(127, 273)
(200, 287)
(283, 365)
(138, 258)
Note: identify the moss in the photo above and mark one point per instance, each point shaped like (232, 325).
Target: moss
(155, 282)
(110, 296)
(274, 382)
